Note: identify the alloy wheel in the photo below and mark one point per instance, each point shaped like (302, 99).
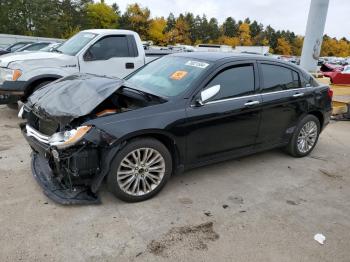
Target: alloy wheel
(307, 137)
(141, 171)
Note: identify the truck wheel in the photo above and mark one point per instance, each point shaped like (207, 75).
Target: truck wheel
(13, 106)
(33, 89)
(305, 137)
(140, 170)
(40, 86)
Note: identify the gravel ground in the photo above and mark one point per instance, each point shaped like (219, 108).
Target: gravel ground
(265, 207)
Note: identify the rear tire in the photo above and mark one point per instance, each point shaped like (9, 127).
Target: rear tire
(140, 170)
(305, 137)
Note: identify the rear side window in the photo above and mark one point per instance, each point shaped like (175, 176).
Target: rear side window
(279, 78)
(109, 47)
(234, 82)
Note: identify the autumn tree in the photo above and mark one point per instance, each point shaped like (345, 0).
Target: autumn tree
(244, 35)
(230, 41)
(157, 31)
(136, 18)
(64, 18)
(101, 15)
(283, 47)
(297, 45)
(180, 33)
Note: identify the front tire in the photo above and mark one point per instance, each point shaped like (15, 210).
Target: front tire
(305, 137)
(13, 106)
(140, 170)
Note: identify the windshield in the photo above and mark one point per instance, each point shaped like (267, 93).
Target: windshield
(73, 45)
(168, 76)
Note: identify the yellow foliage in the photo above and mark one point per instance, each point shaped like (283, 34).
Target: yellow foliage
(298, 45)
(180, 34)
(101, 15)
(156, 31)
(283, 47)
(334, 47)
(70, 32)
(231, 41)
(244, 34)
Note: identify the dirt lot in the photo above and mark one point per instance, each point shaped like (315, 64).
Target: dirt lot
(265, 207)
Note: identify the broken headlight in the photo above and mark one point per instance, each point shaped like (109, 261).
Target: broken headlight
(68, 138)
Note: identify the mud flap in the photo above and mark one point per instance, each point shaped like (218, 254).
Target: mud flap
(54, 190)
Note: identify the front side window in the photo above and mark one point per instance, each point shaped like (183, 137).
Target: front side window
(108, 47)
(73, 45)
(279, 78)
(169, 75)
(234, 82)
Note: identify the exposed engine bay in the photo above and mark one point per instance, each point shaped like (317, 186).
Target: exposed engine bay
(76, 154)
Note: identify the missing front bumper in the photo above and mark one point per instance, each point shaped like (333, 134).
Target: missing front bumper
(55, 190)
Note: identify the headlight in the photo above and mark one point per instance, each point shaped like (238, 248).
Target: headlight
(7, 74)
(68, 138)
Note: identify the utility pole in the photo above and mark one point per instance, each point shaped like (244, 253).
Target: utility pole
(314, 34)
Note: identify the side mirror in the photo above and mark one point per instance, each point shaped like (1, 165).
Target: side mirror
(88, 56)
(208, 94)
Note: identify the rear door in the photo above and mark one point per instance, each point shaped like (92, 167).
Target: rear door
(113, 55)
(284, 100)
(229, 122)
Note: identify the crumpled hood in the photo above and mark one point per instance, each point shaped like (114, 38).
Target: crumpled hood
(6, 59)
(73, 96)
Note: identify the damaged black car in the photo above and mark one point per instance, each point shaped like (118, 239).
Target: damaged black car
(176, 113)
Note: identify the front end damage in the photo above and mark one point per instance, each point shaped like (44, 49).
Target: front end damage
(70, 158)
(72, 175)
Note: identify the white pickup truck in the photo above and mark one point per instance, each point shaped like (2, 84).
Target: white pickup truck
(98, 51)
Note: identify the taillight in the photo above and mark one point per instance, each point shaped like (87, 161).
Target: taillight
(330, 93)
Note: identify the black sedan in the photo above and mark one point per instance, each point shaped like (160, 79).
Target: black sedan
(178, 112)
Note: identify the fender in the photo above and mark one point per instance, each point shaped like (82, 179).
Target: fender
(110, 155)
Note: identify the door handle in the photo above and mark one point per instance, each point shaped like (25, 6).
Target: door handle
(129, 65)
(252, 103)
(298, 94)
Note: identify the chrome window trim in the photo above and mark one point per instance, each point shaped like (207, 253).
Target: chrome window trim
(250, 96)
(230, 99)
(288, 90)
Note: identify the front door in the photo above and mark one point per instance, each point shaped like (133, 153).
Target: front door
(229, 122)
(112, 55)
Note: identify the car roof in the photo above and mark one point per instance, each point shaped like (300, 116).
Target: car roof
(215, 57)
(109, 31)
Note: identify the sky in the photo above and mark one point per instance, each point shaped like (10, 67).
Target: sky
(280, 14)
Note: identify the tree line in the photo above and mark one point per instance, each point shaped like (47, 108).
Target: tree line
(64, 18)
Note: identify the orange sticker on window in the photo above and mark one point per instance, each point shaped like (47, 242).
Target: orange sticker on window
(178, 75)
